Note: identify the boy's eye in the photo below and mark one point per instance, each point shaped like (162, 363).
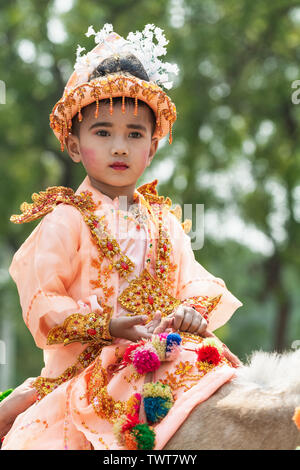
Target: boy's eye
(102, 132)
(136, 134)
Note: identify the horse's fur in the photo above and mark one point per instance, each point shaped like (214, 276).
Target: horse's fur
(252, 411)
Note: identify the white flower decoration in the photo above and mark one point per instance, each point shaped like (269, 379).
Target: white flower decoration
(140, 44)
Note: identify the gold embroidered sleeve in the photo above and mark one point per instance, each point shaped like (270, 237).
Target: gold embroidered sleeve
(90, 328)
(200, 302)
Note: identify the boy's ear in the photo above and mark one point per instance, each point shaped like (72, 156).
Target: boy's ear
(153, 149)
(73, 148)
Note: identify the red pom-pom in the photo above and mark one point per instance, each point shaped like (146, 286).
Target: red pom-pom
(126, 358)
(130, 422)
(209, 354)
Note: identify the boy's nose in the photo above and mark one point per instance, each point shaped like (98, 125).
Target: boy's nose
(119, 150)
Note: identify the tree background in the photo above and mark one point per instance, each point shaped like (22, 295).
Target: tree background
(235, 149)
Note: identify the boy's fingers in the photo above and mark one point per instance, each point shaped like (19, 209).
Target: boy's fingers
(195, 325)
(178, 317)
(157, 318)
(137, 320)
(154, 322)
(187, 321)
(146, 336)
(202, 327)
(164, 324)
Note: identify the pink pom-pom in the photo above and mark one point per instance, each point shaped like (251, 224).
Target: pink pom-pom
(127, 358)
(163, 335)
(145, 361)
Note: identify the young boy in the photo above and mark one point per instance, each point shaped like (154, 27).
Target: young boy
(110, 265)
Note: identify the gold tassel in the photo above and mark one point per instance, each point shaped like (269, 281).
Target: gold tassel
(170, 133)
(79, 113)
(135, 106)
(123, 104)
(97, 108)
(111, 105)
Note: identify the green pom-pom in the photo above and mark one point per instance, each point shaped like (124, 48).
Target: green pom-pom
(5, 394)
(145, 436)
(158, 389)
(212, 342)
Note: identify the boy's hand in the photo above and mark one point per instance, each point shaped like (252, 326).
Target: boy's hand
(187, 319)
(184, 318)
(134, 328)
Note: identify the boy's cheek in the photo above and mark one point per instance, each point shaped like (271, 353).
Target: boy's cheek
(145, 158)
(89, 156)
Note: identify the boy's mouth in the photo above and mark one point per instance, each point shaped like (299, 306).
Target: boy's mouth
(119, 166)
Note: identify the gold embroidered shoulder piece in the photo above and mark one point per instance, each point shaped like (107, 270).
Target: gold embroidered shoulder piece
(45, 202)
(90, 328)
(150, 193)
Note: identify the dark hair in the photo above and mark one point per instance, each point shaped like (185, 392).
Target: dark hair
(128, 65)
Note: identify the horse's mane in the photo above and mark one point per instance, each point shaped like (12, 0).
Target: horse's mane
(265, 371)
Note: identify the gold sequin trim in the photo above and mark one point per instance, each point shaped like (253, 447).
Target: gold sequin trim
(89, 328)
(92, 431)
(104, 405)
(187, 374)
(46, 201)
(45, 385)
(30, 307)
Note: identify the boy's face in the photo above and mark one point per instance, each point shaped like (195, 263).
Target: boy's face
(114, 149)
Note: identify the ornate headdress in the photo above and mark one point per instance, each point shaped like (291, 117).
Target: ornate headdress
(80, 92)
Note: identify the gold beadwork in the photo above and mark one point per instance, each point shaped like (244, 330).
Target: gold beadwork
(45, 385)
(46, 201)
(108, 245)
(145, 295)
(89, 328)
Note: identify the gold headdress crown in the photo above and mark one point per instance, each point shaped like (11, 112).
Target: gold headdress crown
(80, 91)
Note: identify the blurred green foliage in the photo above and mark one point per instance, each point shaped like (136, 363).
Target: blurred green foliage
(235, 149)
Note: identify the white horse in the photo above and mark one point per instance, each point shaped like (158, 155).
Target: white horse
(253, 411)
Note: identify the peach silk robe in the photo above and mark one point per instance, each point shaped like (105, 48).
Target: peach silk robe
(52, 271)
